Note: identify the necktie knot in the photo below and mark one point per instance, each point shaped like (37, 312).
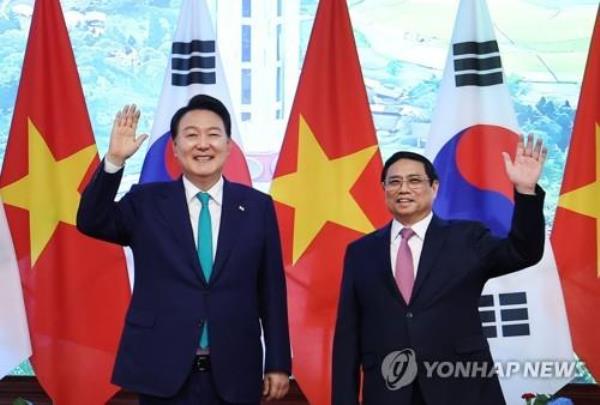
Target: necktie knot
(407, 233)
(203, 197)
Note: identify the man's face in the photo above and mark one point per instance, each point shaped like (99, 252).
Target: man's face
(408, 193)
(201, 147)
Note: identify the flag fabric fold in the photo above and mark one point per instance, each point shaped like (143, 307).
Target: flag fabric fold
(576, 232)
(15, 346)
(523, 313)
(75, 288)
(326, 189)
(195, 67)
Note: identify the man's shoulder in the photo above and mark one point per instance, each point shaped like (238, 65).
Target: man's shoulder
(456, 227)
(458, 224)
(155, 187)
(247, 192)
(375, 237)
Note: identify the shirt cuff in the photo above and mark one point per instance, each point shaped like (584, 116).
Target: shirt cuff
(111, 168)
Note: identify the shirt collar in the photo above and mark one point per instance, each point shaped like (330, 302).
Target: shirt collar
(419, 227)
(215, 192)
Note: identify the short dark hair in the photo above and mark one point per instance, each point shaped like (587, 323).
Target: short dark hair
(202, 102)
(429, 168)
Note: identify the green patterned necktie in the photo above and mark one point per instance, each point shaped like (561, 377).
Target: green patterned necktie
(205, 250)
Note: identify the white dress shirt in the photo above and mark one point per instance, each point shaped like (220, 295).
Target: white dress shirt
(215, 204)
(415, 243)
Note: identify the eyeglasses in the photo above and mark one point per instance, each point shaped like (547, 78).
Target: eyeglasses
(413, 183)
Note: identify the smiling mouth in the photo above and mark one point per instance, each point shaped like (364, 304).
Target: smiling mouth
(203, 158)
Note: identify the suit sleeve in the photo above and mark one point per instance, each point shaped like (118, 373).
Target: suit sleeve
(273, 299)
(98, 215)
(346, 343)
(524, 245)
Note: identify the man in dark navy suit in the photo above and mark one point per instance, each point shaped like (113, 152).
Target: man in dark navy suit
(410, 290)
(208, 269)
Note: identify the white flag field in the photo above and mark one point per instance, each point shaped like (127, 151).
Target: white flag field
(523, 313)
(15, 346)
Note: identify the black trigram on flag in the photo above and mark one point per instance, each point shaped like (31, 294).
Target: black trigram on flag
(513, 317)
(477, 63)
(193, 62)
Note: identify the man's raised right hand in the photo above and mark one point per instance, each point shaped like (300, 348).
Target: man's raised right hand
(123, 139)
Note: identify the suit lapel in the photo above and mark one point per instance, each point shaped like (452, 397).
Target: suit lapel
(175, 212)
(432, 245)
(232, 214)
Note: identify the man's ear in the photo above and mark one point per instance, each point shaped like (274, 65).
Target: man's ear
(435, 186)
(174, 144)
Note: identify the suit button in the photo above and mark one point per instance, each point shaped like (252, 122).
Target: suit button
(409, 315)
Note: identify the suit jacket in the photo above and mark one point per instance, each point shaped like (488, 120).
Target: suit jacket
(171, 300)
(441, 322)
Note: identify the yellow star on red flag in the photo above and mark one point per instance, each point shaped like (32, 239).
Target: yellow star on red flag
(584, 200)
(49, 191)
(319, 190)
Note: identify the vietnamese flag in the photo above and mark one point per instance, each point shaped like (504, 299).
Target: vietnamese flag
(75, 288)
(327, 190)
(576, 233)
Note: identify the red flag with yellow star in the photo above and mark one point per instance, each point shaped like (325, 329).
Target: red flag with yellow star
(576, 233)
(75, 288)
(327, 190)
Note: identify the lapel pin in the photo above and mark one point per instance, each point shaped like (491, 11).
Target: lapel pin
(241, 208)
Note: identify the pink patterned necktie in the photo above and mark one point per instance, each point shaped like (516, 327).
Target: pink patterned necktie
(404, 270)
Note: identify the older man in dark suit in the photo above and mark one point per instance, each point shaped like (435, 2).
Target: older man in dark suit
(410, 290)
